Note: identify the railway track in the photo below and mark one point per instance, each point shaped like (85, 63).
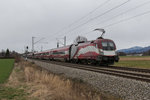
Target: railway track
(126, 72)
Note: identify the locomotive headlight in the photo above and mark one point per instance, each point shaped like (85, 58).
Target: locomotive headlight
(102, 53)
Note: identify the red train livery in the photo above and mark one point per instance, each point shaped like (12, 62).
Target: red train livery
(99, 51)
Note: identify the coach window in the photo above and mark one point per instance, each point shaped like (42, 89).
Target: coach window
(50, 53)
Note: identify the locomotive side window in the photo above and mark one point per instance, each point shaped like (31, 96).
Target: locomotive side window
(47, 53)
(96, 45)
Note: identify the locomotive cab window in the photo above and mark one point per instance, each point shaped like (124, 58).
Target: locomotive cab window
(108, 45)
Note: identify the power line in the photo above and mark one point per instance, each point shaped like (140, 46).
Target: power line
(99, 16)
(101, 5)
(129, 10)
(123, 20)
(126, 19)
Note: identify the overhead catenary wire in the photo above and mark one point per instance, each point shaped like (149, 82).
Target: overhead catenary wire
(129, 10)
(93, 18)
(101, 5)
(126, 19)
(144, 13)
(123, 20)
(98, 7)
(98, 16)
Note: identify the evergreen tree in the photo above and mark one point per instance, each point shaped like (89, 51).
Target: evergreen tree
(7, 53)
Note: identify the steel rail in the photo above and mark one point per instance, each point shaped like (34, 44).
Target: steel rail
(126, 72)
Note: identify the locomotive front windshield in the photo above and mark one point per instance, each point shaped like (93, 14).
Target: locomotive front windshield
(108, 45)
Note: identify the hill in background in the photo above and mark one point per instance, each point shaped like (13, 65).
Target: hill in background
(135, 50)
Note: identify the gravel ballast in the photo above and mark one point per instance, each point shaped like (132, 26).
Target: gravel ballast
(127, 89)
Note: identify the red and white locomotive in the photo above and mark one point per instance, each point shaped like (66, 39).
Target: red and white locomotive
(99, 51)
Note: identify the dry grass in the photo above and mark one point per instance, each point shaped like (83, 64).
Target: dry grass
(50, 86)
(40, 84)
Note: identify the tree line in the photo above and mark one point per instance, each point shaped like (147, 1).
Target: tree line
(7, 53)
(147, 53)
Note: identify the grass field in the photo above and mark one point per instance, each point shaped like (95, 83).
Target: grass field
(6, 66)
(134, 61)
(10, 93)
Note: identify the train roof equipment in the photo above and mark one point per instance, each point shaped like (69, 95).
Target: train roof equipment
(80, 39)
(101, 30)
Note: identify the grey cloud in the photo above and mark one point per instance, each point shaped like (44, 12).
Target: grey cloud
(22, 19)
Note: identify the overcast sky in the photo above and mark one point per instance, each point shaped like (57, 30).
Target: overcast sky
(51, 19)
